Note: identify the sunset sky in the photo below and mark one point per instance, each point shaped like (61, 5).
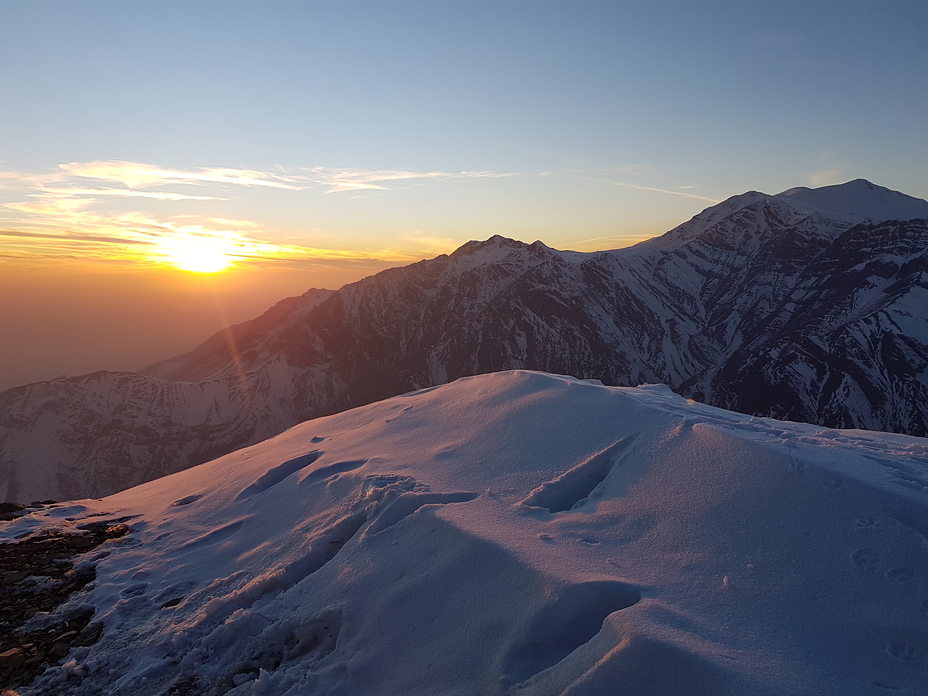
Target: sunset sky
(290, 145)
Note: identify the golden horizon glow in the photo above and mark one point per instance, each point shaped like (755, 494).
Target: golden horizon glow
(199, 254)
(119, 213)
(131, 213)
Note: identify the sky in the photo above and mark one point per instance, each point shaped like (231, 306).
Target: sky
(168, 168)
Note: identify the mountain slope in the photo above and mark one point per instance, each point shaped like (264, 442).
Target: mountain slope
(852, 340)
(514, 533)
(241, 348)
(792, 306)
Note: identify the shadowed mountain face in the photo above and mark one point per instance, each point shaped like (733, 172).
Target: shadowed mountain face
(811, 305)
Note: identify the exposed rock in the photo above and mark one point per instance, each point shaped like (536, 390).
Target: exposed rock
(38, 573)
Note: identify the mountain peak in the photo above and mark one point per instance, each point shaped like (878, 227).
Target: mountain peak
(497, 241)
(857, 201)
(858, 183)
(836, 208)
(491, 250)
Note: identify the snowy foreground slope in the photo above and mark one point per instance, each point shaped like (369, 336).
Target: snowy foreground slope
(518, 533)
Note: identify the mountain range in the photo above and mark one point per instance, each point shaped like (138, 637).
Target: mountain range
(810, 305)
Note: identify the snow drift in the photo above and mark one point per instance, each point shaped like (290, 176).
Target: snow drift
(516, 533)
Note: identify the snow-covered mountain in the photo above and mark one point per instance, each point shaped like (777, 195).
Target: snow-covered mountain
(511, 533)
(809, 305)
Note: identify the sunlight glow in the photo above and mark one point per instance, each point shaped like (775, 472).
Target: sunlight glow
(199, 254)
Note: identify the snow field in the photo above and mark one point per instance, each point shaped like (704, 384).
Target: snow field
(519, 533)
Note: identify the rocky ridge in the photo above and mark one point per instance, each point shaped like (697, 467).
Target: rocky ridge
(809, 305)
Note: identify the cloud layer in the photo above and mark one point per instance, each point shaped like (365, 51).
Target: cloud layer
(103, 210)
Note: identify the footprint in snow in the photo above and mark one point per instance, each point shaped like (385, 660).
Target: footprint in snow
(904, 576)
(866, 522)
(903, 650)
(866, 559)
(134, 590)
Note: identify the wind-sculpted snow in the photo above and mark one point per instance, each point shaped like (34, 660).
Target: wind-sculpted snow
(575, 486)
(279, 473)
(810, 305)
(571, 619)
(514, 533)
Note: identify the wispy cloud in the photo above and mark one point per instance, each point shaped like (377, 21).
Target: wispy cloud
(130, 193)
(669, 192)
(138, 175)
(341, 180)
(238, 224)
(67, 236)
(86, 210)
(15, 179)
(609, 174)
(52, 208)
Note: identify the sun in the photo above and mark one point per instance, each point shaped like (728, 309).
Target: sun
(200, 254)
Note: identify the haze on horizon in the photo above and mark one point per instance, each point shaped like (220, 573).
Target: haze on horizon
(294, 145)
